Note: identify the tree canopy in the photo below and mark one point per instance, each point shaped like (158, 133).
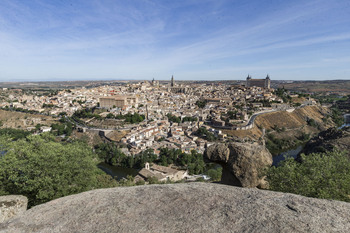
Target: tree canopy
(42, 169)
(320, 175)
(201, 103)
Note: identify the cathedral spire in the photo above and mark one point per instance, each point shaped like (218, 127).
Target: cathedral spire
(172, 81)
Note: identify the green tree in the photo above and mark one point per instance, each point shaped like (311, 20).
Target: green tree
(337, 116)
(320, 175)
(14, 134)
(201, 103)
(110, 115)
(153, 180)
(173, 118)
(204, 133)
(215, 174)
(312, 123)
(42, 169)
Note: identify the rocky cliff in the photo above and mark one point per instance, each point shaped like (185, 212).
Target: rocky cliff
(190, 207)
(242, 163)
(329, 140)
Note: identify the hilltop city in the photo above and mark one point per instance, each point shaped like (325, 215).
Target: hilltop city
(172, 113)
(148, 115)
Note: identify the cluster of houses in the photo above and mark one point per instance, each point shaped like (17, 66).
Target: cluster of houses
(194, 104)
(161, 173)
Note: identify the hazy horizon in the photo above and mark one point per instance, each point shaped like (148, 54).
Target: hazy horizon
(166, 80)
(192, 40)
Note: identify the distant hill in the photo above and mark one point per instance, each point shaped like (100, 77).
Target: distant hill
(331, 86)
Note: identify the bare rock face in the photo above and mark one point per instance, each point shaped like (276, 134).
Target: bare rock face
(12, 206)
(189, 207)
(329, 140)
(242, 163)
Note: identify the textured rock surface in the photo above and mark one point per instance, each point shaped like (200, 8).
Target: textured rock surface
(12, 206)
(329, 140)
(241, 162)
(191, 207)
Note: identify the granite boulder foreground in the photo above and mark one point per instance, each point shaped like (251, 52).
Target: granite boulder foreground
(12, 206)
(190, 207)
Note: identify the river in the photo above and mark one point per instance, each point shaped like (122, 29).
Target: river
(293, 152)
(345, 125)
(117, 172)
(290, 153)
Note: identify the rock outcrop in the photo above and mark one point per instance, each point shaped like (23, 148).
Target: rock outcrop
(242, 163)
(329, 140)
(12, 206)
(190, 207)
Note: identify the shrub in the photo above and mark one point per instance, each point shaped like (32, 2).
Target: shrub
(320, 175)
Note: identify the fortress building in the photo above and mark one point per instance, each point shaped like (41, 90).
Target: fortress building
(122, 101)
(264, 83)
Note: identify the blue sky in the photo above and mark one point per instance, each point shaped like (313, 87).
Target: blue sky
(190, 39)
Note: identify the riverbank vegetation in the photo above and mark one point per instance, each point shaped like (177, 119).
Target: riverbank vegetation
(337, 103)
(319, 175)
(111, 154)
(337, 116)
(277, 145)
(43, 167)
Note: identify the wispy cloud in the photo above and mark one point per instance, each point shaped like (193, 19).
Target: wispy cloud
(161, 37)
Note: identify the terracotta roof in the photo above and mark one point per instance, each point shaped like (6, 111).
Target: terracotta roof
(166, 170)
(146, 173)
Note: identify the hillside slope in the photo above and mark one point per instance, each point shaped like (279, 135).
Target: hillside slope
(191, 207)
(295, 123)
(331, 139)
(295, 119)
(19, 120)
